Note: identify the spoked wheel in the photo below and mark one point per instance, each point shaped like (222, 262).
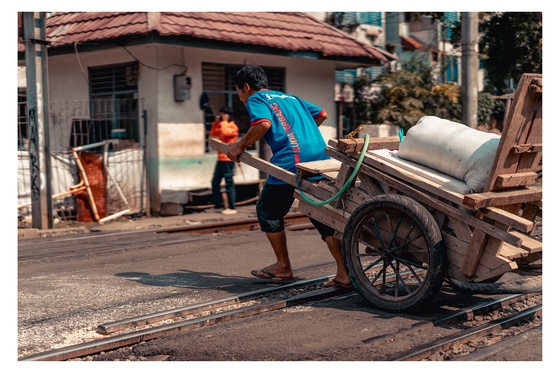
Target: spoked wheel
(393, 252)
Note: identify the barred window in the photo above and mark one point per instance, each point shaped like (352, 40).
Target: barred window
(113, 105)
(218, 84)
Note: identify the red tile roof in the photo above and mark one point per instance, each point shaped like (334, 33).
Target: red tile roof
(283, 32)
(409, 43)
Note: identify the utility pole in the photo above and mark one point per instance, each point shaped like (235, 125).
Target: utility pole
(34, 35)
(469, 68)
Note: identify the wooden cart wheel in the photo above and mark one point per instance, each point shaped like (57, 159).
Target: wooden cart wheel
(394, 253)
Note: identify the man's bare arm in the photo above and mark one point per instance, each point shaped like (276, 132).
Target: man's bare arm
(254, 134)
(319, 120)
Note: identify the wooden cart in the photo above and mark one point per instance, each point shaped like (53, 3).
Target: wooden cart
(404, 230)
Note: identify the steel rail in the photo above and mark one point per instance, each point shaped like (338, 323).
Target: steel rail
(131, 338)
(186, 311)
(462, 314)
(488, 351)
(34, 251)
(443, 344)
(127, 339)
(110, 343)
(208, 306)
(293, 220)
(101, 248)
(233, 225)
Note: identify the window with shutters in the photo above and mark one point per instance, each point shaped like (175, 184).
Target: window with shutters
(218, 84)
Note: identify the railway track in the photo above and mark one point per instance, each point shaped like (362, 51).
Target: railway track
(156, 325)
(486, 321)
(127, 332)
(469, 330)
(95, 243)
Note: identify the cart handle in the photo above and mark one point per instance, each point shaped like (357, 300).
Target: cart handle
(345, 186)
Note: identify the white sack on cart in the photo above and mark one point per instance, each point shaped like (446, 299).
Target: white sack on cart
(451, 148)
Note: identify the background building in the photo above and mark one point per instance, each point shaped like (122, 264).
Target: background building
(151, 82)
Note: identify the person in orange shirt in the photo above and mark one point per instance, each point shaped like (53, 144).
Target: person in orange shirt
(227, 131)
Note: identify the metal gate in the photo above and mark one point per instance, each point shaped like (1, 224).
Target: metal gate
(114, 128)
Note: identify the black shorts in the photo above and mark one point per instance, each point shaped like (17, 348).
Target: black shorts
(274, 203)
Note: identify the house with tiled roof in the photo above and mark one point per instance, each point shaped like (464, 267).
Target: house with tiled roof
(154, 80)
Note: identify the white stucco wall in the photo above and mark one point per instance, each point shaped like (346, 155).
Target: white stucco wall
(184, 165)
(175, 133)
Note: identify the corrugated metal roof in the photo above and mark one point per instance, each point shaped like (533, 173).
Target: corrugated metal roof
(283, 31)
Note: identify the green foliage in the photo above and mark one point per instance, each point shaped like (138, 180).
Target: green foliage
(364, 97)
(402, 97)
(512, 43)
(489, 107)
(445, 102)
(420, 63)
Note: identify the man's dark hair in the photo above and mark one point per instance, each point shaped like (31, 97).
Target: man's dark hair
(253, 75)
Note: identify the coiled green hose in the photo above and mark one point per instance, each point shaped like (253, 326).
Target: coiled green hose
(345, 186)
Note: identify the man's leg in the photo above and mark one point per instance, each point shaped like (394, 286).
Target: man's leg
(230, 186)
(216, 190)
(274, 203)
(279, 243)
(335, 247)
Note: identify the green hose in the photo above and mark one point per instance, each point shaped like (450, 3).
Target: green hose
(345, 186)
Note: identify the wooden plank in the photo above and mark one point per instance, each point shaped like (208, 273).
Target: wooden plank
(454, 247)
(330, 175)
(439, 217)
(502, 197)
(529, 259)
(506, 267)
(510, 168)
(507, 218)
(482, 243)
(485, 243)
(530, 212)
(523, 126)
(356, 196)
(529, 244)
(306, 169)
(356, 145)
(454, 272)
(488, 263)
(412, 191)
(461, 229)
(316, 191)
(371, 185)
(512, 252)
(419, 182)
(343, 176)
(258, 163)
(326, 214)
(488, 267)
(515, 180)
(474, 252)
